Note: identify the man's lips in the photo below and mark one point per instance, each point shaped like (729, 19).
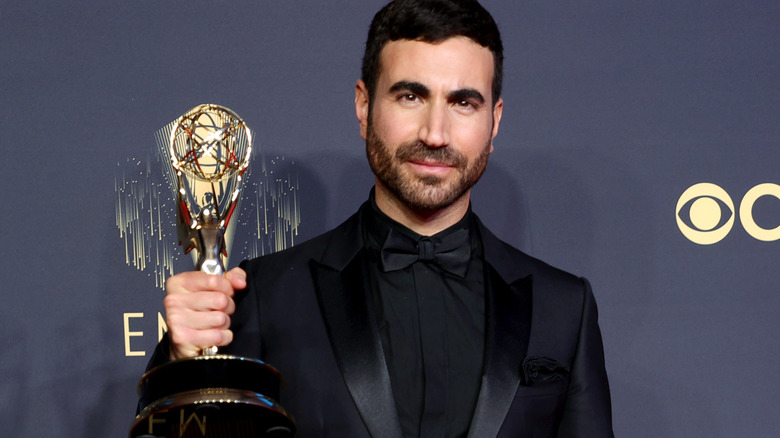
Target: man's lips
(430, 166)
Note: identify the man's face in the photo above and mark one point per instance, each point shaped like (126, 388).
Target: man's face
(430, 127)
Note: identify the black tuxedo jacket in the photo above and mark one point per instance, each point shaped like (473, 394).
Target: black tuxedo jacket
(306, 312)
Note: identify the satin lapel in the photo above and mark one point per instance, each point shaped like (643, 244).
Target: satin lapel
(508, 327)
(355, 340)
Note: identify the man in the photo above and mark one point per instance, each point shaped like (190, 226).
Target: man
(411, 318)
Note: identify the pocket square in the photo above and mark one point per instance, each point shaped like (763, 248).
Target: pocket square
(542, 369)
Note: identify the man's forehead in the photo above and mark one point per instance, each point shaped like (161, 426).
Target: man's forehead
(456, 58)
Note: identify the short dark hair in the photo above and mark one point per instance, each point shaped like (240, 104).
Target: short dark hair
(431, 21)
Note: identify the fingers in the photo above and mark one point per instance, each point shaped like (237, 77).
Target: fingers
(191, 343)
(237, 278)
(198, 281)
(198, 308)
(200, 301)
(195, 311)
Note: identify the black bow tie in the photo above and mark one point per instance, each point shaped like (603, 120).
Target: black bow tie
(451, 253)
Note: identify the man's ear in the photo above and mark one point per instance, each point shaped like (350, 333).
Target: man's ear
(361, 107)
(498, 109)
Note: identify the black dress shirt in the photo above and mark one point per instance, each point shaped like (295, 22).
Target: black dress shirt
(432, 325)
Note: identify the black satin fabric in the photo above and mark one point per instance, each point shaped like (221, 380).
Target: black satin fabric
(429, 301)
(309, 312)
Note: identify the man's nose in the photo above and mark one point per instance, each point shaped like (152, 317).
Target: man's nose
(435, 128)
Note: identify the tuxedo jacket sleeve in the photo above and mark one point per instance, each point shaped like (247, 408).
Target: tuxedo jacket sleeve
(306, 312)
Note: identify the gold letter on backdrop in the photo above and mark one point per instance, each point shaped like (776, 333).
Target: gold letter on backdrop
(128, 334)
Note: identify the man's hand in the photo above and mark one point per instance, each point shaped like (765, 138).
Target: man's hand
(198, 308)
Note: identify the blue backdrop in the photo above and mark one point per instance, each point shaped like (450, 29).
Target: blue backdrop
(613, 110)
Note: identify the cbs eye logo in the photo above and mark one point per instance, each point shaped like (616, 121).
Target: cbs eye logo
(705, 213)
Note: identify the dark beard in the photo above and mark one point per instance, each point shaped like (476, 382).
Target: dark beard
(427, 193)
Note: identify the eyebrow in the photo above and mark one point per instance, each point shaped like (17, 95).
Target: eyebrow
(466, 94)
(414, 87)
(423, 91)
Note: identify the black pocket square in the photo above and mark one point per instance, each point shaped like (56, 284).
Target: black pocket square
(542, 369)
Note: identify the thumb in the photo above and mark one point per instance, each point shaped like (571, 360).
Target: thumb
(237, 278)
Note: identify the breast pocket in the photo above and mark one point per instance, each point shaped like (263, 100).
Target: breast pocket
(536, 410)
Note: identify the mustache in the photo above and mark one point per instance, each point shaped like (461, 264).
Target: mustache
(419, 151)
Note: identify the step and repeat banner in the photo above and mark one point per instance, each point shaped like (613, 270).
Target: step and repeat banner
(639, 147)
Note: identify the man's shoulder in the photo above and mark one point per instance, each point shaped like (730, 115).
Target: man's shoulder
(513, 263)
(315, 248)
(559, 295)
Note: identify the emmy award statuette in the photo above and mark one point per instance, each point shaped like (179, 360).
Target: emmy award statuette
(212, 395)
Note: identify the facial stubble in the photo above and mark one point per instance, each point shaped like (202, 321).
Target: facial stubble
(428, 192)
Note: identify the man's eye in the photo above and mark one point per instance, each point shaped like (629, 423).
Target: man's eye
(409, 96)
(465, 104)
